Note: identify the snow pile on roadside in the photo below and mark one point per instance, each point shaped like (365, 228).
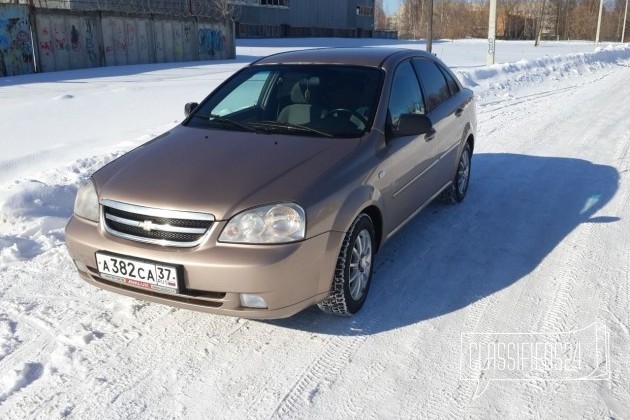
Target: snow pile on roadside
(501, 80)
(34, 212)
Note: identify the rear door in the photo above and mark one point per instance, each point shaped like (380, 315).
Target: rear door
(444, 107)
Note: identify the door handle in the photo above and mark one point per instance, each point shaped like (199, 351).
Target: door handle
(430, 135)
(459, 112)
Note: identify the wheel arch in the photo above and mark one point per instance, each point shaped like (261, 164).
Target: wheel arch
(375, 214)
(366, 200)
(471, 141)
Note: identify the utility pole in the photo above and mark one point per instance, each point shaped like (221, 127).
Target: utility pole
(492, 32)
(599, 21)
(625, 17)
(541, 24)
(430, 28)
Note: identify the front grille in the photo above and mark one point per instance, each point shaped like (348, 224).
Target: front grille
(157, 226)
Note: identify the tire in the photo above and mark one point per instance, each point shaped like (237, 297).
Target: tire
(353, 273)
(456, 192)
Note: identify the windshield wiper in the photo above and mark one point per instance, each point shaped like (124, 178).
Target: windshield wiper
(291, 127)
(219, 118)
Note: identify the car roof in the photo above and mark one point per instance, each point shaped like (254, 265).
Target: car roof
(360, 56)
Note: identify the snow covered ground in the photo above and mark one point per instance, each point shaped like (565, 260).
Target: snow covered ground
(540, 248)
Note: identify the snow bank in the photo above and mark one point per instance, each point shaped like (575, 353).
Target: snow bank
(34, 212)
(504, 79)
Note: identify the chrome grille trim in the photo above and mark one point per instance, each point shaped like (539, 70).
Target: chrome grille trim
(151, 211)
(163, 228)
(155, 228)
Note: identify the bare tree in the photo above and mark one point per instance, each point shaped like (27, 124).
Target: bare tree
(380, 19)
(225, 10)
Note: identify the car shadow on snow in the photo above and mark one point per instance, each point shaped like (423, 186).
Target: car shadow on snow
(518, 209)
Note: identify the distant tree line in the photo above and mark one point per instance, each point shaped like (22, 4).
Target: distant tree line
(516, 19)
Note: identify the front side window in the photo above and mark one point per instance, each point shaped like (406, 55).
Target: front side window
(433, 82)
(406, 97)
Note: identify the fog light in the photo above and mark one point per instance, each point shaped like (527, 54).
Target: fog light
(253, 301)
(81, 266)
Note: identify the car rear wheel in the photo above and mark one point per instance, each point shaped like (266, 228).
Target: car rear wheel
(457, 191)
(353, 273)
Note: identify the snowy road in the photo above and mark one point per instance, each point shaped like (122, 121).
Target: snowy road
(540, 245)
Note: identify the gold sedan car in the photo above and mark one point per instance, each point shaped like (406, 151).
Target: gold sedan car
(276, 191)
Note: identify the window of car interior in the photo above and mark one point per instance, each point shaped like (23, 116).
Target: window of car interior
(453, 87)
(433, 82)
(405, 96)
(246, 95)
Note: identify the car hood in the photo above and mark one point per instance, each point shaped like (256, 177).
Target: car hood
(219, 172)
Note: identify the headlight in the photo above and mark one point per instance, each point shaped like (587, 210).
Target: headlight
(86, 203)
(274, 224)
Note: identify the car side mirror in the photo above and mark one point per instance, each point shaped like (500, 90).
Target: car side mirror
(190, 107)
(412, 125)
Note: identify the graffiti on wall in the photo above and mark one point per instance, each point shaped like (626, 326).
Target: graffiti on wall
(81, 40)
(211, 41)
(68, 42)
(59, 38)
(90, 46)
(16, 47)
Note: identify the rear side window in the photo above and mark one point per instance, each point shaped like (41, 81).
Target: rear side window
(433, 82)
(452, 84)
(406, 97)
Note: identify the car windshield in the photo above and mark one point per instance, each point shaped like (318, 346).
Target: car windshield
(304, 100)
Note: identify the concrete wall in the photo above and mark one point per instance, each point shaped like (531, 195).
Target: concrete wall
(67, 42)
(215, 42)
(66, 39)
(81, 40)
(16, 47)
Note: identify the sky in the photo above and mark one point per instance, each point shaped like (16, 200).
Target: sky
(390, 6)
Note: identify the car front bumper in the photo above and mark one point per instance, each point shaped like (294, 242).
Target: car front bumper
(289, 277)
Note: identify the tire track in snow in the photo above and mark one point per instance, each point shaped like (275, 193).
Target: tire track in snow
(40, 339)
(573, 264)
(325, 369)
(322, 372)
(617, 295)
(502, 104)
(353, 406)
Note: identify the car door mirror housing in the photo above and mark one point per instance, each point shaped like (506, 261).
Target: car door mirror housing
(413, 125)
(190, 107)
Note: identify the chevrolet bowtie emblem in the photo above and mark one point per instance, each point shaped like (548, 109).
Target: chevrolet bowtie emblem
(146, 225)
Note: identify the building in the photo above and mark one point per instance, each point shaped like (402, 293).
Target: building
(252, 18)
(305, 18)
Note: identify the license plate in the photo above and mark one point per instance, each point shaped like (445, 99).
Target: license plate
(142, 274)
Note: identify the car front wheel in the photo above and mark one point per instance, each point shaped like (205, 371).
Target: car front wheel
(353, 273)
